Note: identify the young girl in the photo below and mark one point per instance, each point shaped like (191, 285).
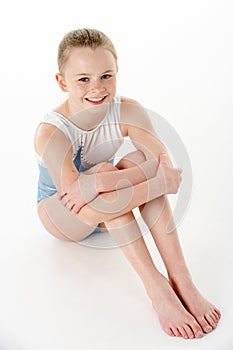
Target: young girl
(80, 191)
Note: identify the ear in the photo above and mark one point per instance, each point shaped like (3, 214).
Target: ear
(61, 82)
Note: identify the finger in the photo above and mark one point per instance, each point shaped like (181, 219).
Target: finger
(163, 158)
(65, 201)
(61, 195)
(70, 205)
(76, 208)
(180, 170)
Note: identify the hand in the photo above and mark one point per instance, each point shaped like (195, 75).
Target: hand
(171, 176)
(80, 192)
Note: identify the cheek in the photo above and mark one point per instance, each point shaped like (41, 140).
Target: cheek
(80, 89)
(110, 84)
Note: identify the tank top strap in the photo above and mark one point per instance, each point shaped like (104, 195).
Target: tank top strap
(57, 120)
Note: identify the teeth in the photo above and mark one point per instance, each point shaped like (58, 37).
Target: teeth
(95, 99)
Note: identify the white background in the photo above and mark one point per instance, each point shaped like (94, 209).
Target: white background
(175, 57)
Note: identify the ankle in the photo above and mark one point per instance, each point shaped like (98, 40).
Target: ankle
(156, 288)
(180, 279)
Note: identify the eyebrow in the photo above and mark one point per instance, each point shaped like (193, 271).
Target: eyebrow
(107, 71)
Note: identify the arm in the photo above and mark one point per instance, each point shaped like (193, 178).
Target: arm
(136, 124)
(110, 205)
(56, 151)
(96, 181)
(112, 180)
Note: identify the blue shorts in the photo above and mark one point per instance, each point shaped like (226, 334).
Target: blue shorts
(46, 187)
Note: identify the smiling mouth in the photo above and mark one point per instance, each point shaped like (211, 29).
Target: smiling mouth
(95, 100)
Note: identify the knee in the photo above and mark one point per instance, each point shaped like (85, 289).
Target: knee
(131, 159)
(106, 166)
(137, 157)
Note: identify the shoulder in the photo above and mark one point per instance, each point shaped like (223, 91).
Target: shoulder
(125, 99)
(44, 133)
(133, 115)
(128, 104)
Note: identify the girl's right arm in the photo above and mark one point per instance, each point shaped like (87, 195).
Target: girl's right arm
(56, 152)
(55, 149)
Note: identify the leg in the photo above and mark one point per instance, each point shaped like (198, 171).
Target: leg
(60, 222)
(179, 276)
(156, 215)
(174, 318)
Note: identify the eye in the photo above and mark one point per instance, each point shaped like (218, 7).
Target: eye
(84, 80)
(106, 76)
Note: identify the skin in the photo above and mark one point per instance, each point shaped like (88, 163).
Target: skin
(181, 309)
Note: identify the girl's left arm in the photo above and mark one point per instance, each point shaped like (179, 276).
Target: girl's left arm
(137, 125)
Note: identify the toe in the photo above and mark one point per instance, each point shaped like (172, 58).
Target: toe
(176, 332)
(198, 334)
(204, 324)
(218, 312)
(217, 317)
(169, 332)
(197, 330)
(210, 320)
(214, 317)
(183, 332)
(189, 331)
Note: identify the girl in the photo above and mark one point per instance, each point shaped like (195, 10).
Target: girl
(80, 191)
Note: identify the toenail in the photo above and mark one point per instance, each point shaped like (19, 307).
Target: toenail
(199, 334)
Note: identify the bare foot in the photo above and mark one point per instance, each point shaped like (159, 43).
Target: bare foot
(206, 314)
(175, 320)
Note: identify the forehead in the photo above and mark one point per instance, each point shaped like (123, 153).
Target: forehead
(89, 60)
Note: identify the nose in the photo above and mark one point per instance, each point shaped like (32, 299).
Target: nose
(97, 85)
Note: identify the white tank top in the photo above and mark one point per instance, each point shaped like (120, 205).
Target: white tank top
(97, 145)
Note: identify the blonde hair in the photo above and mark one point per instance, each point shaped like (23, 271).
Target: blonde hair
(84, 37)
